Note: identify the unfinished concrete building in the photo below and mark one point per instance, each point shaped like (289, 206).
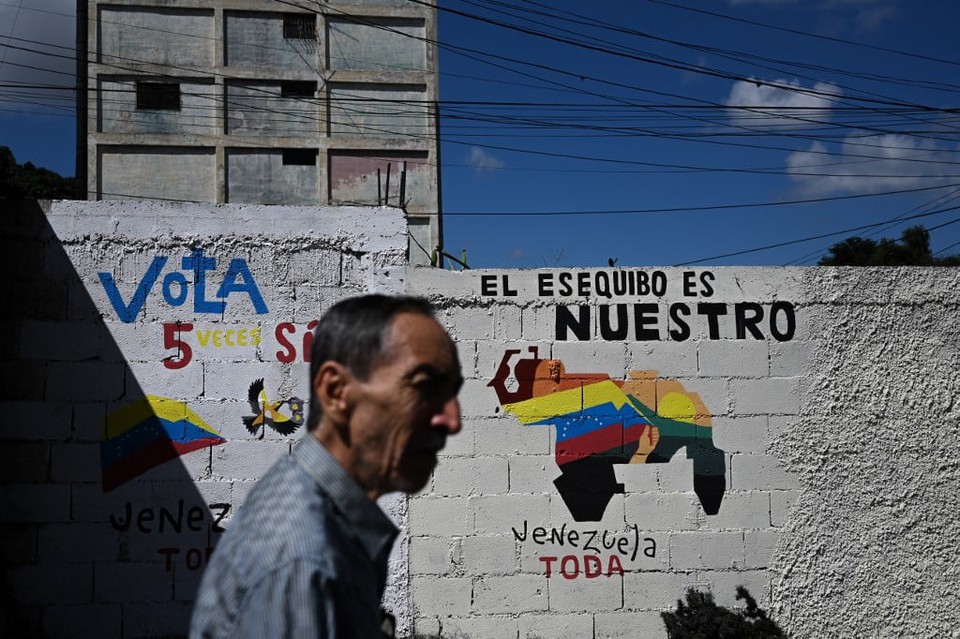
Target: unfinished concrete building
(263, 101)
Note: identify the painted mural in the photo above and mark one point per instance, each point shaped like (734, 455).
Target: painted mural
(155, 430)
(147, 433)
(176, 286)
(283, 416)
(601, 422)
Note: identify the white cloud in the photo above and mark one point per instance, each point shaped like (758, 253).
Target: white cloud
(872, 18)
(896, 168)
(483, 161)
(863, 15)
(773, 103)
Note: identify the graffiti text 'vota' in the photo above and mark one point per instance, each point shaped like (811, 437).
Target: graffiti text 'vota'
(175, 286)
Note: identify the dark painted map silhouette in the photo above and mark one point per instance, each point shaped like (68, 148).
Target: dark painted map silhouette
(601, 422)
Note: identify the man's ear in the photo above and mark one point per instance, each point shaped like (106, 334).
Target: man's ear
(331, 385)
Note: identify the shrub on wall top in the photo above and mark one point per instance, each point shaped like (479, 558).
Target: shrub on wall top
(701, 618)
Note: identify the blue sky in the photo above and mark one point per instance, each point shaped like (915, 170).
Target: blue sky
(579, 123)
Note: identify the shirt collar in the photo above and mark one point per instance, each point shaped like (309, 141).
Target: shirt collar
(370, 525)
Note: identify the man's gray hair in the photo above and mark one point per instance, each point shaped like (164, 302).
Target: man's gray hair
(352, 332)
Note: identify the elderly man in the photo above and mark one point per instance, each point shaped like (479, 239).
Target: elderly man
(307, 554)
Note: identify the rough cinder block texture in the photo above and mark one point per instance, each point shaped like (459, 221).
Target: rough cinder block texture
(479, 627)
(440, 516)
(827, 400)
(431, 555)
(555, 626)
(441, 596)
(629, 624)
(874, 530)
(143, 337)
(628, 433)
(489, 555)
(580, 594)
(511, 594)
(471, 476)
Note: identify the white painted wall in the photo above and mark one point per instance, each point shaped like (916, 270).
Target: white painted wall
(838, 436)
(839, 513)
(82, 558)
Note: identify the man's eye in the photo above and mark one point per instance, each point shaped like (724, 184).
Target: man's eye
(434, 388)
(427, 386)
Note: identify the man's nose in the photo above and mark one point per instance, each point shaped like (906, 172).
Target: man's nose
(448, 418)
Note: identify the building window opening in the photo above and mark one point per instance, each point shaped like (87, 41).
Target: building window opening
(158, 95)
(298, 89)
(299, 157)
(300, 26)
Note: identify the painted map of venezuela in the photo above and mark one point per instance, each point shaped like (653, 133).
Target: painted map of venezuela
(601, 422)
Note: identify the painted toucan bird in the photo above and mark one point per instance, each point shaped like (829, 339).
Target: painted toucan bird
(267, 413)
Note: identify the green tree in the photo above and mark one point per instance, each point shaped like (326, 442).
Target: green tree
(29, 181)
(912, 249)
(701, 618)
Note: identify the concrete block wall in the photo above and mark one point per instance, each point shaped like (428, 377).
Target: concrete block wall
(263, 176)
(255, 39)
(154, 168)
(255, 108)
(113, 311)
(347, 84)
(118, 112)
(382, 43)
(828, 394)
(128, 33)
(379, 111)
(873, 534)
(351, 184)
(798, 436)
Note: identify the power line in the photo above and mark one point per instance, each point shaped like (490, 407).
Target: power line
(56, 13)
(939, 200)
(806, 33)
(295, 118)
(813, 237)
(766, 146)
(715, 207)
(542, 123)
(914, 133)
(13, 25)
(473, 53)
(633, 132)
(677, 65)
(785, 87)
(947, 248)
(578, 20)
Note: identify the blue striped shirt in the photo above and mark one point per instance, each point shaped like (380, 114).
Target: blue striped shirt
(306, 556)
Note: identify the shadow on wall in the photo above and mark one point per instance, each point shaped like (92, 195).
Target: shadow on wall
(103, 532)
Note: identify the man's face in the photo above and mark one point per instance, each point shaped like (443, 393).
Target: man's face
(406, 408)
